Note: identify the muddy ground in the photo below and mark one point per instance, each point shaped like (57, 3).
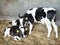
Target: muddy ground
(37, 37)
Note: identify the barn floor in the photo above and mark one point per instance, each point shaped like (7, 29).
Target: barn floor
(38, 36)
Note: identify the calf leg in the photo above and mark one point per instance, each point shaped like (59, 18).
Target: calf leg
(16, 38)
(7, 32)
(22, 29)
(48, 24)
(55, 28)
(30, 28)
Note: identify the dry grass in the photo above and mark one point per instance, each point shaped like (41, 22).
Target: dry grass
(38, 36)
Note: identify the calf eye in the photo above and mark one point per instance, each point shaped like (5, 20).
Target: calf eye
(17, 31)
(26, 29)
(26, 18)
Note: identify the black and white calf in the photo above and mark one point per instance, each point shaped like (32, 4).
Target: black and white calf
(15, 30)
(41, 15)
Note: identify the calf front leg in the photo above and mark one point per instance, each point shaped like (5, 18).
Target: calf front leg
(16, 38)
(30, 28)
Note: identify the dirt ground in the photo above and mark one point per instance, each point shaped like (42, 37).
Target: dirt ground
(37, 37)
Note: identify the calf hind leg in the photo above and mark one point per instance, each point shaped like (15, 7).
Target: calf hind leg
(49, 30)
(48, 24)
(55, 28)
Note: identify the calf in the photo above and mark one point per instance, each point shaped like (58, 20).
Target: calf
(13, 31)
(41, 15)
(17, 22)
(26, 25)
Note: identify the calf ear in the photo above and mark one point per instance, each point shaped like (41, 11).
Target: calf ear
(20, 16)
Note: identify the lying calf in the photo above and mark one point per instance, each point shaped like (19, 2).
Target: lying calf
(13, 31)
(17, 30)
(41, 15)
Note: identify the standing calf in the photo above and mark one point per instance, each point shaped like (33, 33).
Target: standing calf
(41, 15)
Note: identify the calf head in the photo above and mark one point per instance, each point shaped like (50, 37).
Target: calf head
(16, 32)
(15, 22)
(26, 28)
